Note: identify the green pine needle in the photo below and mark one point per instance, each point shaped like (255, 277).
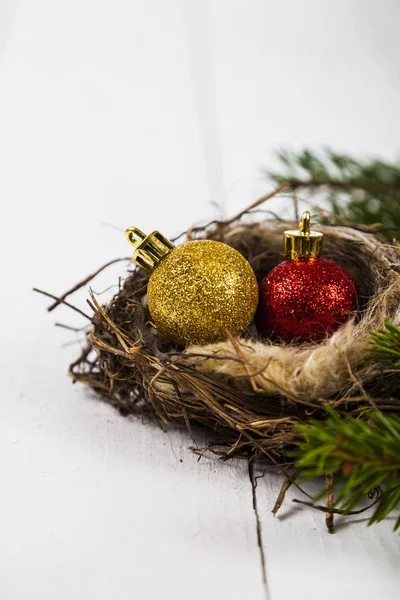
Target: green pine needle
(363, 453)
(361, 192)
(385, 345)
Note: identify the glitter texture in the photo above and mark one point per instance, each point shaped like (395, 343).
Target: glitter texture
(201, 289)
(305, 300)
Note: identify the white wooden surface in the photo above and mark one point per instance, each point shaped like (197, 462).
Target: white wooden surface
(129, 112)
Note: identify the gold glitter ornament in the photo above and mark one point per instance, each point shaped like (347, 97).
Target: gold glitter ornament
(198, 290)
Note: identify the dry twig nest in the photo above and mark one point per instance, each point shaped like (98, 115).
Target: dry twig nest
(249, 392)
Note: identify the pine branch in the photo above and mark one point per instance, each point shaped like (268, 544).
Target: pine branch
(363, 453)
(365, 192)
(385, 345)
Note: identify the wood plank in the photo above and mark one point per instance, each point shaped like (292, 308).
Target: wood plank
(303, 560)
(96, 506)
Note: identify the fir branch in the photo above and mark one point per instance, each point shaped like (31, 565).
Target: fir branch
(363, 192)
(385, 345)
(363, 453)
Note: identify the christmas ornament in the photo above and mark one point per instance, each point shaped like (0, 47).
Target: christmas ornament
(198, 290)
(307, 297)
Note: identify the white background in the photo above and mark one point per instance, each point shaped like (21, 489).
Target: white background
(119, 112)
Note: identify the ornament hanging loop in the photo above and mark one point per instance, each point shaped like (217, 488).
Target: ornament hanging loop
(135, 236)
(303, 243)
(149, 249)
(305, 223)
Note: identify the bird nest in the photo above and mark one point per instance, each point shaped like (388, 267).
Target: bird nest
(247, 391)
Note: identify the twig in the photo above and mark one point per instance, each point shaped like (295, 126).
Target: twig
(336, 511)
(62, 301)
(79, 285)
(329, 502)
(216, 222)
(282, 187)
(288, 482)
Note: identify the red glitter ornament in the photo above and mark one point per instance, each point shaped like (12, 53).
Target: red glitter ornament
(308, 297)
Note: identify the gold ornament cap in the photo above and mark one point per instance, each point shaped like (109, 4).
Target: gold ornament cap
(302, 243)
(150, 249)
